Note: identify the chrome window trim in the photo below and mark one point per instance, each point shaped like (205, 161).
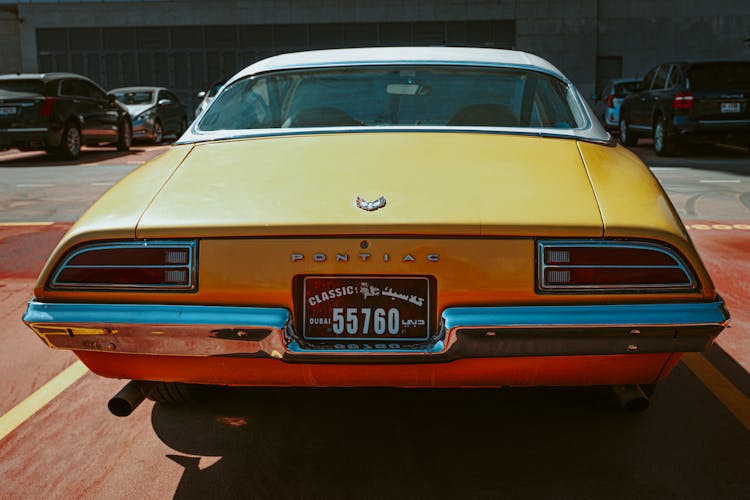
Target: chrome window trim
(662, 287)
(191, 267)
(590, 130)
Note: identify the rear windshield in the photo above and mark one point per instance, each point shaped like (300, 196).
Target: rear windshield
(140, 97)
(720, 76)
(400, 95)
(624, 88)
(24, 86)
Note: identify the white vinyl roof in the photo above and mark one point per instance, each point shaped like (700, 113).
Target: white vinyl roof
(401, 55)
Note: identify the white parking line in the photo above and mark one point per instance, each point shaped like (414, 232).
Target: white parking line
(34, 185)
(720, 181)
(102, 183)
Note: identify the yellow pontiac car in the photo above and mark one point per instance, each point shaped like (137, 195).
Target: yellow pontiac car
(411, 217)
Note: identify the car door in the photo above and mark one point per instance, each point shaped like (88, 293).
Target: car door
(165, 110)
(662, 90)
(82, 107)
(175, 111)
(641, 115)
(106, 115)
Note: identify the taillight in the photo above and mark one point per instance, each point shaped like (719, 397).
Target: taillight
(611, 266)
(683, 100)
(47, 105)
(130, 265)
(611, 101)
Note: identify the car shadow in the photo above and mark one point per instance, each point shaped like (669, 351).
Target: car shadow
(88, 156)
(467, 443)
(717, 157)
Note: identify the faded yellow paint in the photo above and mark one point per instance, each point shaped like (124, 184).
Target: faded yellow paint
(477, 200)
(634, 205)
(434, 183)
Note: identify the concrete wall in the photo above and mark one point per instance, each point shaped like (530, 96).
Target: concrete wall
(572, 34)
(10, 41)
(646, 33)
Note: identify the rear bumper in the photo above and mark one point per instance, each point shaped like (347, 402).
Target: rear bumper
(711, 128)
(29, 137)
(174, 330)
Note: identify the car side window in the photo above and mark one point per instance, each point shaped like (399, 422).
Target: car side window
(674, 77)
(661, 78)
(649, 78)
(92, 91)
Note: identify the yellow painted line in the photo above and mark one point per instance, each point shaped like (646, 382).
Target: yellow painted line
(719, 227)
(730, 396)
(13, 224)
(32, 404)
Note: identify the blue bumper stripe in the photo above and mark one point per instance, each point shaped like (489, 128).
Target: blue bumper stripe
(146, 314)
(694, 314)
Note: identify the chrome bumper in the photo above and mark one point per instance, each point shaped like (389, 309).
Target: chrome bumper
(465, 332)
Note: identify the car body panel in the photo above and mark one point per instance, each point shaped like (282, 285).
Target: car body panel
(234, 187)
(467, 212)
(69, 98)
(171, 115)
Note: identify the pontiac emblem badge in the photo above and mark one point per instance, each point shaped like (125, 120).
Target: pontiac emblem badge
(370, 205)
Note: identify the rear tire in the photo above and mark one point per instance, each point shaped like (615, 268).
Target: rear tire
(70, 142)
(627, 137)
(124, 136)
(173, 393)
(664, 143)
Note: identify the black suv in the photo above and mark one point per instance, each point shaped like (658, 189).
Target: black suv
(58, 112)
(683, 101)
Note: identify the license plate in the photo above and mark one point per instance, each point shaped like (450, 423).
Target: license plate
(374, 308)
(730, 107)
(7, 111)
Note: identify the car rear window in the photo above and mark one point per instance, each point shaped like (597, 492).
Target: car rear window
(24, 86)
(135, 97)
(719, 76)
(398, 95)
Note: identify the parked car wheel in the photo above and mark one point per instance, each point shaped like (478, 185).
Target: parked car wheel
(627, 137)
(125, 136)
(70, 144)
(158, 133)
(664, 144)
(173, 393)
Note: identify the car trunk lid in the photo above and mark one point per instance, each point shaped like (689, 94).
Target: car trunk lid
(433, 183)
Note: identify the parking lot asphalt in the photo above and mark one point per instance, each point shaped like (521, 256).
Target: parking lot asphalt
(370, 443)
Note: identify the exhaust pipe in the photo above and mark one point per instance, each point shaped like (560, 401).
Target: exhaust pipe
(127, 400)
(631, 397)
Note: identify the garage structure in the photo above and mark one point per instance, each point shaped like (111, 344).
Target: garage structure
(187, 45)
(186, 58)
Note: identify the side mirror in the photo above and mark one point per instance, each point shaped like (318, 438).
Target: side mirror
(165, 102)
(201, 94)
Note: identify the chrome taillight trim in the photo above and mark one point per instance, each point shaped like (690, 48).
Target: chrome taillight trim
(191, 267)
(679, 263)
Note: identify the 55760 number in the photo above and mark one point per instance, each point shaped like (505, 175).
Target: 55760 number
(365, 320)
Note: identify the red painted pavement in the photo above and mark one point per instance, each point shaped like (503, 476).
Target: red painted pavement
(725, 249)
(26, 363)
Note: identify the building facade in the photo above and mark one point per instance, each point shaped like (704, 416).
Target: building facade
(188, 44)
